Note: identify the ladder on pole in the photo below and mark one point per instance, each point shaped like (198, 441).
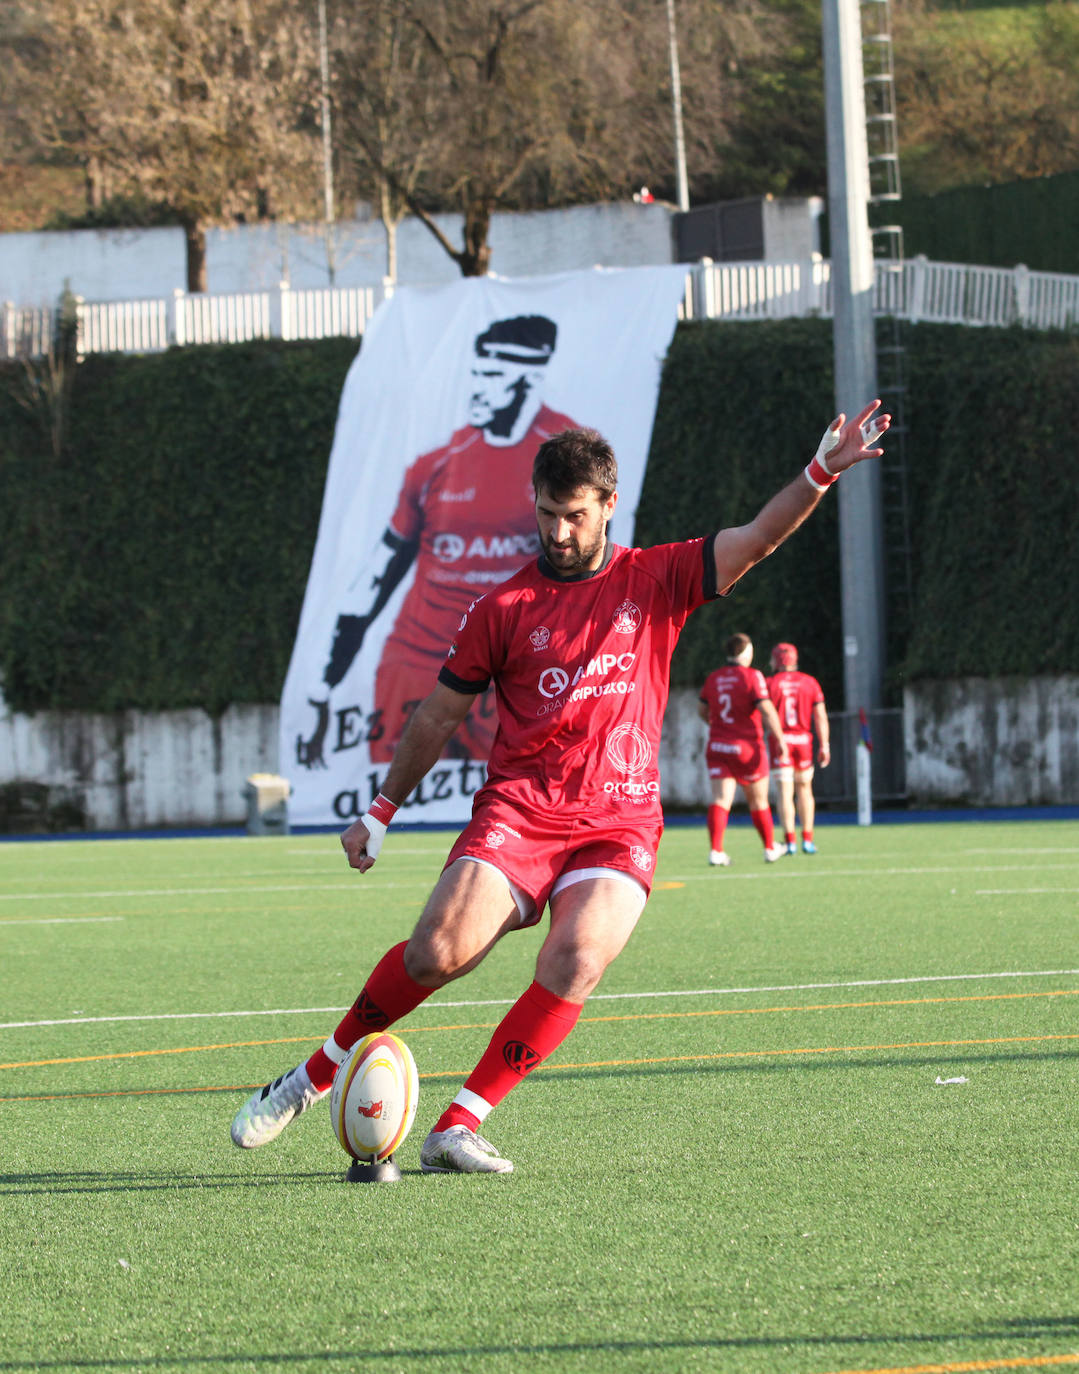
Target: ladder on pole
(885, 188)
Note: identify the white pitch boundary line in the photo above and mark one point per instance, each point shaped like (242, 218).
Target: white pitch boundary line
(599, 997)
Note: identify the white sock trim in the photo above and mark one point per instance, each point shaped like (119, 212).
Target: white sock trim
(472, 1102)
(333, 1051)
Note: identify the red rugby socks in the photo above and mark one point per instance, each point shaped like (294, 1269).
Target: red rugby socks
(717, 824)
(533, 1028)
(765, 827)
(387, 995)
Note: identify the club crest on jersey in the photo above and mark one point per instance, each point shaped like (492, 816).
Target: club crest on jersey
(626, 619)
(628, 749)
(540, 637)
(641, 858)
(495, 839)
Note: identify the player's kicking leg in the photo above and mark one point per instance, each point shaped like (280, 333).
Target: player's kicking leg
(389, 993)
(267, 1112)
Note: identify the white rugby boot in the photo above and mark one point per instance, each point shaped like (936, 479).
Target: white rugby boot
(777, 851)
(719, 859)
(458, 1150)
(267, 1112)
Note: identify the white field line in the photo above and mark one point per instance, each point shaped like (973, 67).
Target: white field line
(58, 920)
(198, 891)
(1023, 891)
(1024, 849)
(785, 869)
(598, 997)
(770, 873)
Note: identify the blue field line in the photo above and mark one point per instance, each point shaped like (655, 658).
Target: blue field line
(884, 816)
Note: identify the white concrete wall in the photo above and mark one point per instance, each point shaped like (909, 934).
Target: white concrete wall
(994, 742)
(1012, 742)
(791, 227)
(138, 264)
(137, 770)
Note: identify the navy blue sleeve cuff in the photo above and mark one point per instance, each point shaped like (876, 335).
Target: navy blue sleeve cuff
(458, 684)
(709, 583)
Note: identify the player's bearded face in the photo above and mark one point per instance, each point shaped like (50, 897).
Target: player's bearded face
(573, 533)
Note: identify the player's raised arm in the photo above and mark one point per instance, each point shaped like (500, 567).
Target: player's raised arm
(426, 735)
(845, 442)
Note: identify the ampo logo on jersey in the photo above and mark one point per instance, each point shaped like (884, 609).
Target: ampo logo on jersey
(448, 548)
(553, 682)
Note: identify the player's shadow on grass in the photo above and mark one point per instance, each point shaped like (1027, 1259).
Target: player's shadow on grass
(1010, 1330)
(57, 1182)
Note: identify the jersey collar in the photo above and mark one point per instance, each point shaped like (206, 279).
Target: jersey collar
(546, 570)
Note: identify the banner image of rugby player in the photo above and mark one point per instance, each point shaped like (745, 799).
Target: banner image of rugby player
(429, 504)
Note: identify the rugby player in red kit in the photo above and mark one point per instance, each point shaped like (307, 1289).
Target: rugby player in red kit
(578, 646)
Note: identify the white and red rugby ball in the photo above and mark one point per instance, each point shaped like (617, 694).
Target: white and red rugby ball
(374, 1097)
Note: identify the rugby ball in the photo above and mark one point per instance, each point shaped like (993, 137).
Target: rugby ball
(374, 1096)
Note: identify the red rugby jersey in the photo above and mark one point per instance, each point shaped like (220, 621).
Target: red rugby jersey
(732, 694)
(470, 506)
(581, 668)
(794, 694)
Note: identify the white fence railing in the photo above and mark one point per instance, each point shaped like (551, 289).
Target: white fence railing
(946, 292)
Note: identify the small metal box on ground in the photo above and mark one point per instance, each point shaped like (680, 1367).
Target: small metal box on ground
(267, 796)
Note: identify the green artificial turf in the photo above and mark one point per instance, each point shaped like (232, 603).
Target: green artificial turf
(741, 1159)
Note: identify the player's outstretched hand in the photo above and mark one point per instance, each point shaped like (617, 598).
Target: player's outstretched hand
(847, 442)
(361, 844)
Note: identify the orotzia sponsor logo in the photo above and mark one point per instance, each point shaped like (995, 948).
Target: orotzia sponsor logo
(630, 752)
(628, 749)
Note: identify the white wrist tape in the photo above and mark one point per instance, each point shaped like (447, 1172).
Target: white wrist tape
(871, 432)
(829, 441)
(376, 833)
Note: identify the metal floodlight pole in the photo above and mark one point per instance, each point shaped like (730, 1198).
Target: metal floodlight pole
(676, 103)
(861, 551)
(327, 142)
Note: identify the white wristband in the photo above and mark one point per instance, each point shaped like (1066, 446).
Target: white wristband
(376, 833)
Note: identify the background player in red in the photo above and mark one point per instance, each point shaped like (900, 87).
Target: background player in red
(734, 701)
(799, 702)
(579, 644)
(464, 517)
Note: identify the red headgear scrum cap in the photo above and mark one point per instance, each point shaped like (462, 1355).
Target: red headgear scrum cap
(785, 656)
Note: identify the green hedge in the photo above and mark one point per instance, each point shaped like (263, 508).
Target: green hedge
(1031, 221)
(160, 561)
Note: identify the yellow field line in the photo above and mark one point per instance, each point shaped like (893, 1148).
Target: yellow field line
(589, 1020)
(1016, 1362)
(599, 1063)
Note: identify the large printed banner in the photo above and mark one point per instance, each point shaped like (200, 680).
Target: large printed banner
(429, 504)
